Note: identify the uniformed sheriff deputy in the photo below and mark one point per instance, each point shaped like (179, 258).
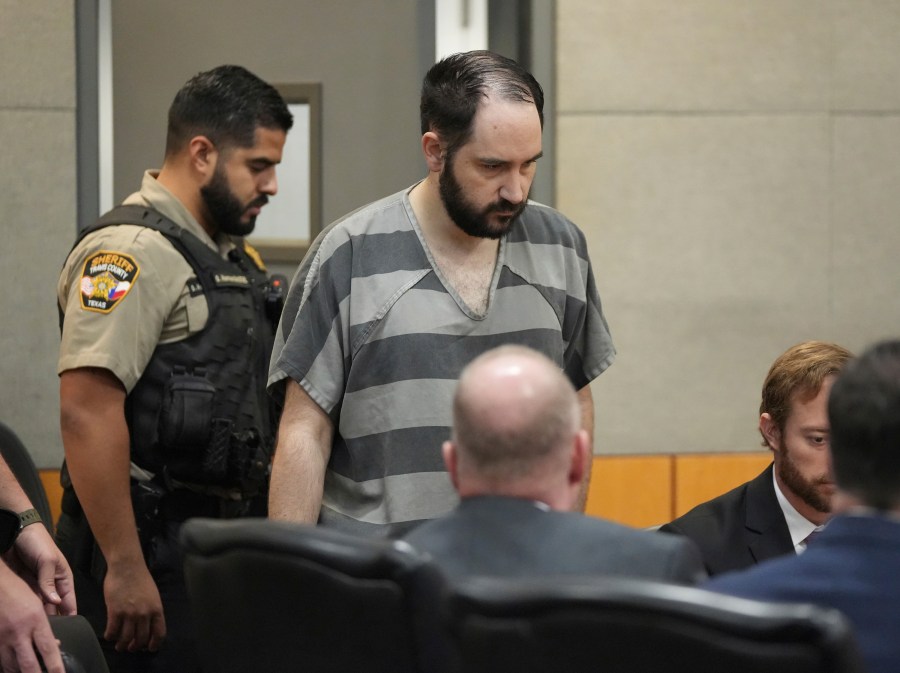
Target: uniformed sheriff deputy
(167, 322)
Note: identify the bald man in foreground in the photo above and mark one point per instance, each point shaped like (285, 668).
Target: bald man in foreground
(517, 456)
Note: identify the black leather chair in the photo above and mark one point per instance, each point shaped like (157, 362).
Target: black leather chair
(20, 462)
(628, 626)
(272, 596)
(78, 644)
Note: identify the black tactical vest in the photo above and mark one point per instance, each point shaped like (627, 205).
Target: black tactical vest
(200, 412)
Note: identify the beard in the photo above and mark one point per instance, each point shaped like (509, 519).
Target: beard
(468, 217)
(806, 489)
(225, 209)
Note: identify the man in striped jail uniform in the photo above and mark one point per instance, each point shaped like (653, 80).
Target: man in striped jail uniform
(394, 299)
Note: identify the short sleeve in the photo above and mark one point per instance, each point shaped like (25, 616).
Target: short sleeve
(116, 290)
(590, 347)
(311, 341)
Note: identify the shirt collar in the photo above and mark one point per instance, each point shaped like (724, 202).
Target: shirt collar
(543, 506)
(798, 525)
(156, 196)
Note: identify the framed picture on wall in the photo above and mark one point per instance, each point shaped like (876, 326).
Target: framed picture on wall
(293, 218)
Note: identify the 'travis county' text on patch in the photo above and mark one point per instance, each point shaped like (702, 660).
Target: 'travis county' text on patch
(106, 279)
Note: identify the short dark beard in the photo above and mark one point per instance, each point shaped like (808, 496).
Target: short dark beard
(466, 216)
(806, 490)
(223, 207)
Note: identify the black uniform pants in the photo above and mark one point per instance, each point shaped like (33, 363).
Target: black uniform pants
(178, 653)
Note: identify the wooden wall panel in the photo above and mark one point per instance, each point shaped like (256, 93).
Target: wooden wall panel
(634, 490)
(637, 491)
(699, 477)
(50, 479)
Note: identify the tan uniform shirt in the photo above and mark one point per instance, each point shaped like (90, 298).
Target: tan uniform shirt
(124, 289)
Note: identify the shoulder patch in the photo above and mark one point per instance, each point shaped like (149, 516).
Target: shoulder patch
(253, 254)
(105, 280)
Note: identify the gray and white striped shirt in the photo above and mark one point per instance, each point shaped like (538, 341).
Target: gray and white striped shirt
(376, 337)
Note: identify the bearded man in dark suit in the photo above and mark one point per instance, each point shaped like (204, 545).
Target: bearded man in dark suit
(774, 513)
(852, 564)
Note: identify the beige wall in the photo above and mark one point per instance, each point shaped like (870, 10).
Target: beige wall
(37, 210)
(364, 53)
(735, 166)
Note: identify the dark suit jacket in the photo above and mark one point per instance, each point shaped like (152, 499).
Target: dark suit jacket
(852, 565)
(738, 529)
(512, 537)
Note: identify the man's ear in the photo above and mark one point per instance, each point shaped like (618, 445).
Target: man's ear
(770, 431)
(203, 155)
(434, 151)
(581, 453)
(451, 458)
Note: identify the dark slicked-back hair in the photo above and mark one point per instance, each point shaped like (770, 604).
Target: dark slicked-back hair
(455, 86)
(226, 104)
(799, 373)
(864, 413)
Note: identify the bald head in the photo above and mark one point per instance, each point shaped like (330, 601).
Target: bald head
(515, 416)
